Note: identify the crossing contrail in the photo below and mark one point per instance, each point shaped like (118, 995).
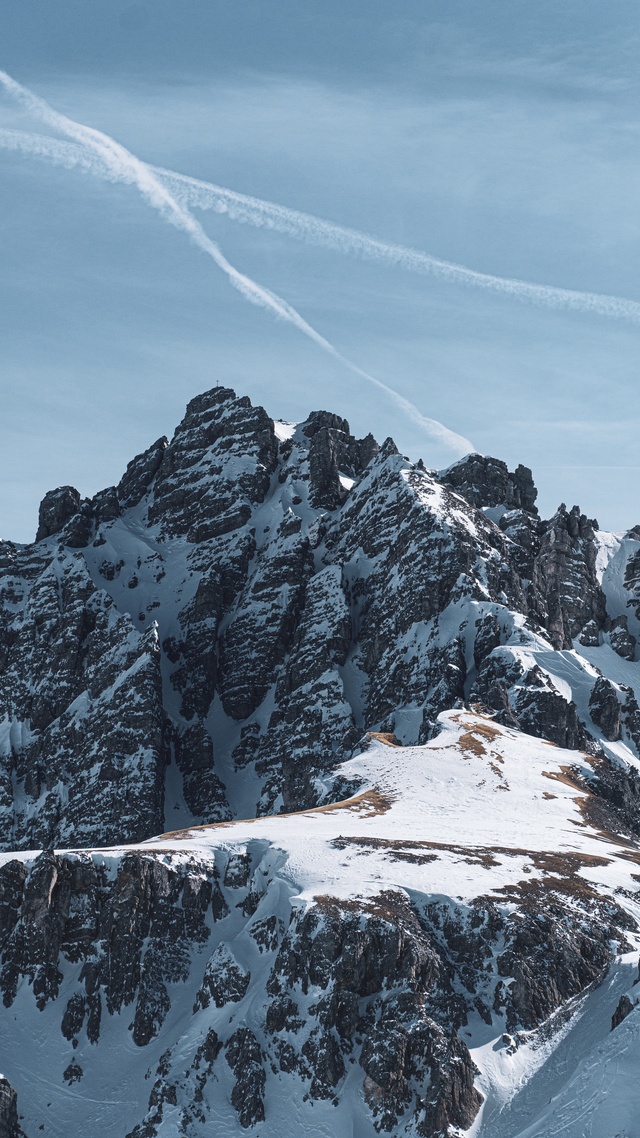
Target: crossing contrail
(123, 166)
(197, 194)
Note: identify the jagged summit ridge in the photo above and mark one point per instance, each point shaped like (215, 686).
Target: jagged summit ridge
(348, 670)
(210, 637)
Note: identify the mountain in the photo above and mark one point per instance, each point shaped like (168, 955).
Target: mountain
(319, 797)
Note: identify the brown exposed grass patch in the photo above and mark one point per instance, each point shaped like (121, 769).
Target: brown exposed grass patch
(596, 813)
(413, 858)
(560, 875)
(472, 742)
(566, 776)
(385, 737)
(366, 805)
(390, 905)
(568, 864)
(533, 891)
(404, 850)
(486, 730)
(630, 855)
(471, 745)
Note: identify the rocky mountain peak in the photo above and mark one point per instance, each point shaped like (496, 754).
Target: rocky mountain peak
(566, 577)
(293, 591)
(139, 475)
(56, 509)
(295, 626)
(216, 468)
(486, 481)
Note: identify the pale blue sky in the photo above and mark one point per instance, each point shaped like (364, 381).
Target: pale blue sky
(501, 136)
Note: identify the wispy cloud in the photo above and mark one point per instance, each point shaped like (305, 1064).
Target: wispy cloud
(195, 193)
(123, 166)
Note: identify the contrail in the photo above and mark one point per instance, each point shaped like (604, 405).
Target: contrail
(194, 193)
(125, 167)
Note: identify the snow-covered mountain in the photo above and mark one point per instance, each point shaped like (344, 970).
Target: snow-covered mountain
(385, 721)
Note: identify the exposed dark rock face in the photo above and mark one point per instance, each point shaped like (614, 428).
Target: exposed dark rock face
(486, 481)
(245, 1059)
(216, 467)
(314, 720)
(605, 708)
(333, 451)
(624, 1008)
(294, 610)
(617, 797)
(541, 710)
(565, 576)
(56, 509)
(392, 963)
(632, 573)
(386, 986)
(128, 938)
(267, 611)
(621, 639)
(82, 689)
(140, 473)
(556, 559)
(551, 956)
(395, 605)
(590, 635)
(9, 1127)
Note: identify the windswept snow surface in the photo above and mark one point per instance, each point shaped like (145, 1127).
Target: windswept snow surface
(284, 430)
(614, 552)
(584, 1083)
(489, 808)
(478, 789)
(482, 810)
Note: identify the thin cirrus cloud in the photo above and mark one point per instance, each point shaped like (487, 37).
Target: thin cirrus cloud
(197, 194)
(119, 165)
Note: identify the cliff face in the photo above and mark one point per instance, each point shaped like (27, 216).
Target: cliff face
(237, 990)
(243, 602)
(213, 639)
(9, 1127)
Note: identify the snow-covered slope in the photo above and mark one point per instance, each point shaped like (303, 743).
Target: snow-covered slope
(339, 969)
(423, 699)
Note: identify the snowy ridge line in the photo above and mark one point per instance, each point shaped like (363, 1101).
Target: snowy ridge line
(260, 213)
(122, 166)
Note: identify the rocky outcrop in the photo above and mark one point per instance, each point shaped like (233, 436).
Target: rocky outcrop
(621, 639)
(81, 690)
(334, 451)
(623, 1009)
(128, 939)
(245, 985)
(485, 481)
(56, 509)
(140, 473)
(244, 1056)
(216, 467)
(9, 1126)
(605, 708)
(555, 559)
(565, 576)
(541, 710)
(242, 602)
(381, 985)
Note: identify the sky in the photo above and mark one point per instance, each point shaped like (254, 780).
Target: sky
(500, 137)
